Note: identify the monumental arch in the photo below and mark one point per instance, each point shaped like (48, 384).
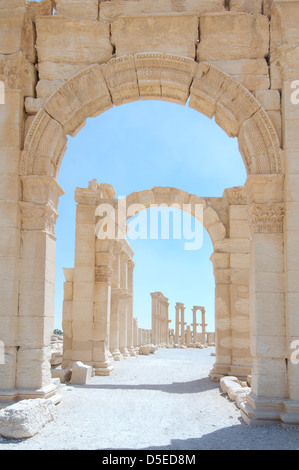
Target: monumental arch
(233, 60)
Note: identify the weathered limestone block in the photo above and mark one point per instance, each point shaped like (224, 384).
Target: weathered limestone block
(33, 105)
(121, 77)
(33, 368)
(82, 10)
(269, 99)
(81, 373)
(17, 32)
(56, 72)
(65, 40)
(117, 9)
(243, 36)
(170, 34)
(41, 8)
(26, 418)
(11, 119)
(145, 350)
(251, 73)
(247, 6)
(226, 382)
(18, 73)
(64, 375)
(84, 95)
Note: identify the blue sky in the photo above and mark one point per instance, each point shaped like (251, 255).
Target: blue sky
(135, 147)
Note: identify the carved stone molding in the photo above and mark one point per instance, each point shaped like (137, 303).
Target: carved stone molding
(38, 217)
(266, 218)
(103, 274)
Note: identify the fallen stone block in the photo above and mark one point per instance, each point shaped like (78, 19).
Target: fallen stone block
(26, 418)
(226, 382)
(64, 375)
(81, 373)
(145, 350)
(153, 348)
(242, 396)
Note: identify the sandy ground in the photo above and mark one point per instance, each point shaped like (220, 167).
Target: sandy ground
(163, 401)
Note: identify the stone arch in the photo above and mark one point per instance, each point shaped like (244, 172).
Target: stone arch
(158, 77)
(173, 196)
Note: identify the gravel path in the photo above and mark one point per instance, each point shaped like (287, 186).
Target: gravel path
(163, 401)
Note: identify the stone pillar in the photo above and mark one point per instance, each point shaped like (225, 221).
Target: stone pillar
(177, 323)
(123, 324)
(238, 229)
(114, 316)
(154, 318)
(221, 265)
(114, 325)
(194, 324)
(182, 324)
(203, 324)
(18, 75)
(287, 34)
(188, 335)
(267, 301)
(130, 313)
(102, 309)
(123, 303)
(36, 287)
(135, 332)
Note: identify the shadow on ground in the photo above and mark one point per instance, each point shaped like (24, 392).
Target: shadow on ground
(195, 386)
(237, 437)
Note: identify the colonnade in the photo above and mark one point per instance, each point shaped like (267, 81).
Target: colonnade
(160, 319)
(98, 321)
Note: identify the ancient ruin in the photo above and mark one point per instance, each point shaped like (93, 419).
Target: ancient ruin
(120, 51)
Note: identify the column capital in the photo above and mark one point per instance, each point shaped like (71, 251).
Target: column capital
(42, 190)
(266, 218)
(38, 217)
(103, 274)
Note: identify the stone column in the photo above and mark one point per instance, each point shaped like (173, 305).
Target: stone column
(286, 18)
(183, 324)
(130, 314)
(36, 288)
(123, 303)
(114, 325)
(267, 301)
(123, 325)
(114, 316)
(195, 325)
(203, 324)
(17, 58)
(135, 333)
(177, 323)
(221, 264)
(102, 309)
(154, 318)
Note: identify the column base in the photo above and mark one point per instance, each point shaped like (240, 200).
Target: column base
(116, 354)
(132, 352)
(264, 411)
(103, 368)
(124, 352)
(13, 395)
(219, 371)
(241, 372)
